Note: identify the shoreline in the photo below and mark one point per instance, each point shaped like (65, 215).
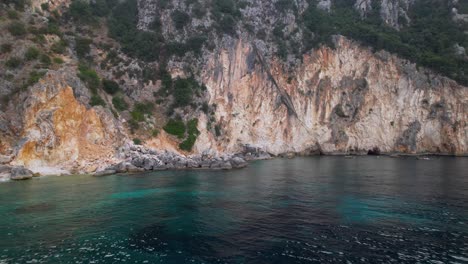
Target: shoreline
(219, 161)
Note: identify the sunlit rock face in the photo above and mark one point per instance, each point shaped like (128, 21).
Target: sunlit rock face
(59, 130)
(344, 100)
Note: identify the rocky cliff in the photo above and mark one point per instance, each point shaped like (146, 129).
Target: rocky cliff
(346, 99)
(60, 132)
(342, 97)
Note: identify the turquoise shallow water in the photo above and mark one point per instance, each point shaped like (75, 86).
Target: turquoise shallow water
(304, 210)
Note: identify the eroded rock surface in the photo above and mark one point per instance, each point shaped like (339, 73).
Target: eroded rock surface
(348, 100)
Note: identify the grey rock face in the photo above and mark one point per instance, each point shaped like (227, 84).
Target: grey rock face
(408, 139)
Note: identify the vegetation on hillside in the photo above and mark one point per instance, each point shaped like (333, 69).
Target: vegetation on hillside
(428, 40)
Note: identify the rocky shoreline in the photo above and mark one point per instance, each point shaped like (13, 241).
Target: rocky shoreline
(136, 158)
(139, 158)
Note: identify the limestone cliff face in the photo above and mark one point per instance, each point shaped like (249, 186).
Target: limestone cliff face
(60, 131)
(342, 100)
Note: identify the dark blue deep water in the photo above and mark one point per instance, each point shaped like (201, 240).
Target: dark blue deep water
(304, 210)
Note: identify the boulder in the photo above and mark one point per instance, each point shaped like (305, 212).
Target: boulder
(20, 173)
(149, 163)
(206, 164)
(192, 164)
(226, 165)
(238, 162)
(138, 162)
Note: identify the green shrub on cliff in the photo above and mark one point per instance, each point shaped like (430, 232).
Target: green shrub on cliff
(119, 103)
(175, 127)
(90, 77)
(96, 100)
(82, 47)
(13, 63)
(111, 87)
(193, 133)
(5, 48)
(180, 19)
(17, 28)
(140, 110)
(31, 54)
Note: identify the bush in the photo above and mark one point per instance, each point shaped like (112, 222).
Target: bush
(81, 11)
(193, 133)
(13, 62)
(175, 127)
(58, 60)
(31, 54)
(225, 6)
(137, 141)
(100, 8)
(82, 47)
(90, 77)
(59, 46)
(45, 6)
(180, 19)
(12, 14)
(188, 143)
(34, 77)
(45, 60)
(133, 124)
(119, 103)
(111, 87)
(5, 48)
(17, 28)
(155, 132)
(227, 25)
(96, 100)
(183, 92)
(139, 111)
(284, 5)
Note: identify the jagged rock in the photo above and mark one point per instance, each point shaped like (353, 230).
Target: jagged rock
(216, 164)
(21, 173)
(149, 163)
(160, 167)
(191, 164)
(238, 162)
(226, 165)
(205, 164)
(138, 161)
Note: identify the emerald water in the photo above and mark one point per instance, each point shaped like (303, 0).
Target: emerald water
(304, 210)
